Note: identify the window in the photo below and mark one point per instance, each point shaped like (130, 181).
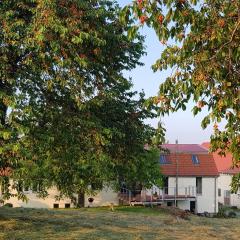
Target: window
(219, 192)
(37, 186)
(227, 194)
(67, 205)
(55, 205)
(164, 159)
(199, 185)
(195, 159)
(165, 185)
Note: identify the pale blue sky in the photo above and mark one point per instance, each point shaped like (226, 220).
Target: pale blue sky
(181, 125)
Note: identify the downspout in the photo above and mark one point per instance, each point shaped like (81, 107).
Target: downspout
(215, 195)
(177, 167)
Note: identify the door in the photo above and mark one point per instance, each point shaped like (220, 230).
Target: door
(227, 199)
(192, 206)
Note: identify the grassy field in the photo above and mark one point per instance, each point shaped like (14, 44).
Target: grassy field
(102, 224)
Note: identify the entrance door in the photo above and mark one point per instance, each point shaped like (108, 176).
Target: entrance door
(192, 206)
(227, 198)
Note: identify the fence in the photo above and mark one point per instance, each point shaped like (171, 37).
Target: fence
(156, 195)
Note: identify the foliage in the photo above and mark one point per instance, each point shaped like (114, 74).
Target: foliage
(235, 184)
(201, 40)
(68, 117)
(221, 213)
(232, 214)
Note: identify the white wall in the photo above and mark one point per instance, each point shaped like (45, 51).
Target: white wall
(102, 198)
(35, 202)
(207, 201)
(224, 182)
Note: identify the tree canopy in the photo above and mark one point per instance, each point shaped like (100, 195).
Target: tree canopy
(68, 116)
(201, 40)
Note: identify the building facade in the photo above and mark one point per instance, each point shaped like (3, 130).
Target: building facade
(105, 197)
(190, 183)
(190, 171)
(225, 196)
(226, 172)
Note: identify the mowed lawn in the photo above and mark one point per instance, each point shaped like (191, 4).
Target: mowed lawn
(100, 223)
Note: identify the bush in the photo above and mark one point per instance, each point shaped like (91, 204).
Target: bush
(206, 214)
(232, 214)
(8, 205)
(221, 213)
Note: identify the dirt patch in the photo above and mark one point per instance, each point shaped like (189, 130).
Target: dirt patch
(176, 212)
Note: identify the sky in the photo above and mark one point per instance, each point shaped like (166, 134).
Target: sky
(182, 125)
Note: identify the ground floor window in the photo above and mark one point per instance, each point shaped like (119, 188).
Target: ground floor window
(219, 192)
(67, 205)
(55, 205)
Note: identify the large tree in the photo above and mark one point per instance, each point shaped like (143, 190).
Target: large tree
(68, 117)
(201, 40)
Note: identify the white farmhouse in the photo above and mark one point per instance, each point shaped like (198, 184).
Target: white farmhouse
(190, 183)
(190, 174)
(225, 197)
(226, 172)
(105, 197)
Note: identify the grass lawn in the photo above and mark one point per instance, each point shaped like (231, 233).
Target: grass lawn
(101, 224)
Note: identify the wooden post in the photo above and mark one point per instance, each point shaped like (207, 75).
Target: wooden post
(129, 197)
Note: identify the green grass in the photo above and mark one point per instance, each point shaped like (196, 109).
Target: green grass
(135, 223)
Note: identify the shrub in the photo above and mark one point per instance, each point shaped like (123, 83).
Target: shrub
(221, 213)
(232, 214)
(8, 205)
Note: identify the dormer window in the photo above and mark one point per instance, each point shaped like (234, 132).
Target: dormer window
(195, 159)
(164, 159)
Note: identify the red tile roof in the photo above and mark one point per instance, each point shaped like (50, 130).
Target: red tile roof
(223, 163)
(231, 171)
(186, 148)
(186, 167)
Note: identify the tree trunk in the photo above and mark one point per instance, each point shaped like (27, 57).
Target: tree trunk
(3, 108)
(81, 199)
